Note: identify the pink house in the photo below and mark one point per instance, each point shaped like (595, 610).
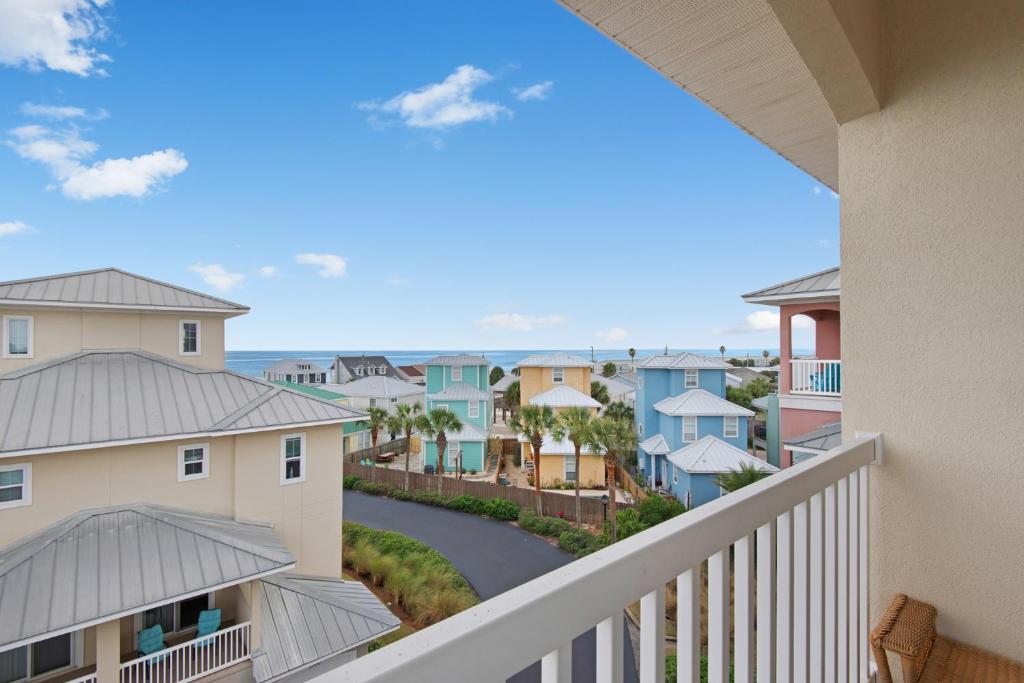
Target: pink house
(810, 401)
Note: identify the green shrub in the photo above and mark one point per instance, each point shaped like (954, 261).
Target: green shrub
(372, 488)
(578, 542)
(470, 504)
(671, 667)
(544, 526)
(349, 481)
(499, 508)
(627, 523)
(656, 509)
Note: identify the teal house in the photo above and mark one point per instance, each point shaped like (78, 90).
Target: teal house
(460, 384)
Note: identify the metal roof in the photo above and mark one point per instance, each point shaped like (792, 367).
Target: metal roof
(655, 445)
(825, 437)
(106, 398)
(461, 359)
(616, 386)
(684, 361)
(291, 365)
(563, 447)
(699, 402)
(376, 386)
(711, 455)
(350, 363)
(311, 389)
(823, 285)
(306, 619)
(563, 397)
(469, 432)
(554, 360)
(761, 403)
(502, 384)
(110, 288)
(98, 564)
(459, 391)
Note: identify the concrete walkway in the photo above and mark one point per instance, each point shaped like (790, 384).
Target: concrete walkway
(493, 556)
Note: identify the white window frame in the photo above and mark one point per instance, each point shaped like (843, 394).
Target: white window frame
(558, 375)
(474, 409)
(373, 403)
(728, 420)
(77, 657)
(687, 374)
(693, 419)
(394, 400)
(199, 337)
(302, 458)
(442, 406)
(359, 370)
(640, 382)
(640, 429)
(450, 449)
(181, 461)
(26, 485)
(372, 370)
(383, 370)
(456, 373)
(569, 459)
(7, 336)
(675, 475)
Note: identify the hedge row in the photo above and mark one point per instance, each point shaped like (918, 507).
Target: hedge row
(497, 508)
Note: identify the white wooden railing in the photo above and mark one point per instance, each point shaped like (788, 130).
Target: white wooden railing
(190, 660)
(801, 533)
(88, 678)
(819, 377)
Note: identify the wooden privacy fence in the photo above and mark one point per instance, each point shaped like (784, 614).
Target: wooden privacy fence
(554, 504)
(396, 446)
(629, 485)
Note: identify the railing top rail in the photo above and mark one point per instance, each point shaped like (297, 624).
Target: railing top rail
(187, 643)
(562, 604)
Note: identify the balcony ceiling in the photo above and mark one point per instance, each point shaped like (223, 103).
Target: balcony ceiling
(735, 56)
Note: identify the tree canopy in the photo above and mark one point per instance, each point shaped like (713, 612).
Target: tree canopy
(608, 369)
(497, 372)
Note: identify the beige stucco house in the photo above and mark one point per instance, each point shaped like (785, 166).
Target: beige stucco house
(142, 484)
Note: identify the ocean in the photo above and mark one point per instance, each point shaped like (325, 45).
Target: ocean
(254, 362)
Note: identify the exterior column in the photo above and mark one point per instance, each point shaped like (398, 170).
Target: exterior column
(785, 350)
(108, 650)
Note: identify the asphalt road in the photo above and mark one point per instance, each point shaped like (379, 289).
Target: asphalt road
(492, 555)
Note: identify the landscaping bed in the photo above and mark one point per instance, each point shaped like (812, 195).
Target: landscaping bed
(496, 508)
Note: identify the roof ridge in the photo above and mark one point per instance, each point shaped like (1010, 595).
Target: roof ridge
(293, 581)
(251, 406)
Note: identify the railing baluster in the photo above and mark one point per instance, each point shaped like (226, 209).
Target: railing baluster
(801, 592)
(743, 600)
(854, 608)
(556, 666)
(784, 598)
(652, 636)
(718, 617)
(864, 578)
(816, 621)
(766, 603)
(688, 626)
(842, 580)
(609, 649)
(830, 585)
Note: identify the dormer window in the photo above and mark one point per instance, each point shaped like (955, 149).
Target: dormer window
(690, 379)
(359, 370)
(456, 373)
(383, 369)
(372, 370)
(17, 336)
(189, 341)
(557, 375)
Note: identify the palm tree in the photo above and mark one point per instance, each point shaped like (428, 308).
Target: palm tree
(511, 397)
(576, 423)
(618, 410)
(378, 421)
(404, 421)
(632, 355)
(535, 422)
(734, 480)
(721, 350)
(435, 425)
(765, 354)
(599, 392)
(613, 438)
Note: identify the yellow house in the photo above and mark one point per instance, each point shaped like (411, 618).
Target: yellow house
(145, 490)
(560, 380)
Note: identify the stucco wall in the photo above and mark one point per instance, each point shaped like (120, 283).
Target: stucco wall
(533, 381)
(933, 299)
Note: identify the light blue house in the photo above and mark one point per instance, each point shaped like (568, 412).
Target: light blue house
(680, 401)
(460, 384)
(694, 468)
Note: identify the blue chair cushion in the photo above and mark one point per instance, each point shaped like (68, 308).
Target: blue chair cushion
(151, 640)
(209, 622)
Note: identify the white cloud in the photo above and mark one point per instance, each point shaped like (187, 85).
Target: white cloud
(537, 91)
(64, 153)
(518, 322)
(14, 228)
(53, 34)
(817, 189)
(215, 275)
(331, 265)
(443, 105)
(51, 111)
(763, 321)
(267, 271)
(397, 280)
(613, 335)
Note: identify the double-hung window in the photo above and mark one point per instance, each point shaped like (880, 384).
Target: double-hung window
(452, 453)
(373, 403)
(689, 428)
(189, 337)
(293, 458)
(557, 375)
(570, 467)
(15, 486)
(383, 369)
(474, 408)
(17, 336)
(456, 373)
(731, 428)
(690, 380)
(193, 461)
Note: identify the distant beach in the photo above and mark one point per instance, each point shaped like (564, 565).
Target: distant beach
(254, 362)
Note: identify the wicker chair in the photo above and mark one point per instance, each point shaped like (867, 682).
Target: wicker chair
(908, 629)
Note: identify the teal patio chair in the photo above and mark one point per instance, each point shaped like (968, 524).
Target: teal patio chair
(209, 622)
(151, 641)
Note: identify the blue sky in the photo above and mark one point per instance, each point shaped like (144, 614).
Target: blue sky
(380, 175)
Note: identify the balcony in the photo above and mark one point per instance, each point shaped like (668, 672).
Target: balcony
(192, 659)
(794, 544)
(815, 377)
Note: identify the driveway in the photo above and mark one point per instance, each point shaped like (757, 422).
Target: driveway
(493, 556)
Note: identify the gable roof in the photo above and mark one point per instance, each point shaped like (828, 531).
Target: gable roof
(461, 359)
(111, 288)
(307, 619)
(459, 391)
(711, 455)
(823, 285)
(699, 402)
(291, 365)
(655, 445)
(617, 386)
(825, 437)
(563, 397)
(411, 371)
(502, 384)
(376, 386)
(92, 399)
(553, 360)
(311, 389)
(469, 432)
(684, 361)
(98, 564)
(350, 363)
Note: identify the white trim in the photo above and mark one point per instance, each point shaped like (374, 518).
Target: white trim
(696, 425)
(301, 436)
(199, 337)
(470, 412)
(449, 452)
(831, 404)
(686, 378)
(442, 406)
(31, 336)
(454, 377)
(725, 426)
(561, 379)
(21, 303)
(205, 474)
(26, 486)
(822, 296)
(566, 459)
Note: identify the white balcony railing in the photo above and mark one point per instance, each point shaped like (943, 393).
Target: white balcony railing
(88, 678)
(799, 542)
(817, 377)
(190, 660)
